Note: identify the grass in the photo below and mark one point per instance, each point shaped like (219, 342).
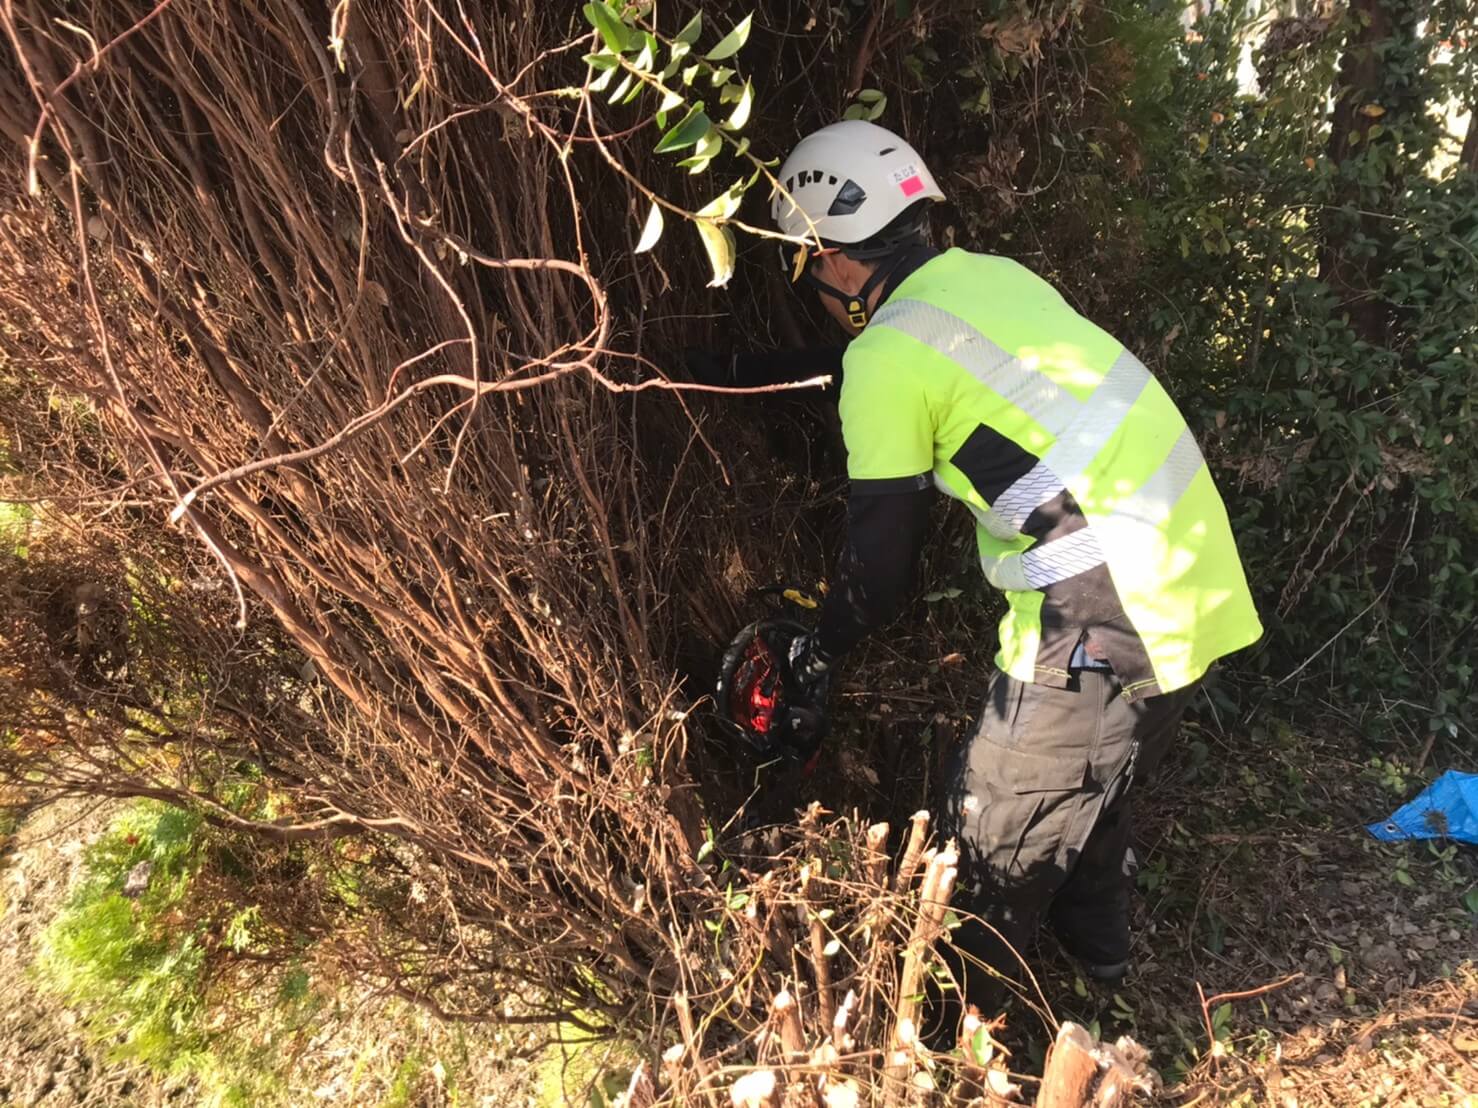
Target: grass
(186, 981)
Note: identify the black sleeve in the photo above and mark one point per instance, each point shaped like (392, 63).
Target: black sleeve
(778, 367)
(886, 524)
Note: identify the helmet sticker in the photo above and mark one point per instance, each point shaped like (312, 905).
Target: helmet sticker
(908, 180)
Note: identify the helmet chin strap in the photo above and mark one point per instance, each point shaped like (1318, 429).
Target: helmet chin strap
(855, 304)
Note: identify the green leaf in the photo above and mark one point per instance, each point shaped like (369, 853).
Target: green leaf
(1221, 1018)
(689, 34)
(720, 75)
(604, 19)
(708, 146)
(725, 204)
(623, 87)
(719, 243)
(705, 850)
(871, 96)
(740, 116)
(981, 1048)
(603, 82)
(690, 73)
(645, 60)
(602, 61)
(689, 131)
(1470, 901)
(636, 90)
(651, 231)
(670, 100)
(856, 111)
(730, 44)
(679, 52)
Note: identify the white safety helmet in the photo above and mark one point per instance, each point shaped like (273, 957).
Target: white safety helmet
(849, 181)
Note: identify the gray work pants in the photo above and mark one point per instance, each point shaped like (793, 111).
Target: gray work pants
(1040, 798)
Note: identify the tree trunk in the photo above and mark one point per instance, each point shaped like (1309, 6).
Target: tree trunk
(1363, 101)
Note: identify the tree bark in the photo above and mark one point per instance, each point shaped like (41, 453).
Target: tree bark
(1366, 97)
(1468, 159)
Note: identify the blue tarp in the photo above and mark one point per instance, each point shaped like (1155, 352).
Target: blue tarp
(1446, 809)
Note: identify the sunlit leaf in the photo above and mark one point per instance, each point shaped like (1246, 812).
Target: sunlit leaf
(730, 44)
(603, 82)
(718, 241)
(708, 147)
(604, 19)
(651, 231)
(741, 110)
(622, 88)
(722, 206)
(645, 60)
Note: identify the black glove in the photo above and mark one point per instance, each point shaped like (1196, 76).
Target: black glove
(810, 683)
(709, 367)
(761, 368)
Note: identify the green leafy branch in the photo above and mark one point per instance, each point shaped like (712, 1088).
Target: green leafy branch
(631, 52)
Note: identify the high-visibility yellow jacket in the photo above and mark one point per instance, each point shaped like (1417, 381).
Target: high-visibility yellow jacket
(1095, 511)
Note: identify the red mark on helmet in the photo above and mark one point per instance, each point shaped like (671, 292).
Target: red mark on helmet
(912, 185)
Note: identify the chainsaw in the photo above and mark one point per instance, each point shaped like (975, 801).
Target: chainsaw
(759, 700)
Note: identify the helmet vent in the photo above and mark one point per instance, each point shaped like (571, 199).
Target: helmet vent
(887, 150)
(849, 198)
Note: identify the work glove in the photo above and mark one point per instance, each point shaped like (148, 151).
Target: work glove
(810, 683)
(761, 368)
(709, 367)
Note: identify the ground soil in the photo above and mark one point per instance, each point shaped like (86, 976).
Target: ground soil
(1255, 872)
(45, 1057)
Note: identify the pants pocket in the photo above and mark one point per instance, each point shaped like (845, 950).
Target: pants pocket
(1027, 805)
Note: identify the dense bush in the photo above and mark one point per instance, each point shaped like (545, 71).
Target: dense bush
(1297, 255)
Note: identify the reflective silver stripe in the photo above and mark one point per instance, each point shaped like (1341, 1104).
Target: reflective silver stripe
(1103, 412)
(1028, 389)
(1046, 564)
(1076, 447)
(1153, 501)
(1024, 496)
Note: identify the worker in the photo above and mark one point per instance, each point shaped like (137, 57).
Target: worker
(1095, 514)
